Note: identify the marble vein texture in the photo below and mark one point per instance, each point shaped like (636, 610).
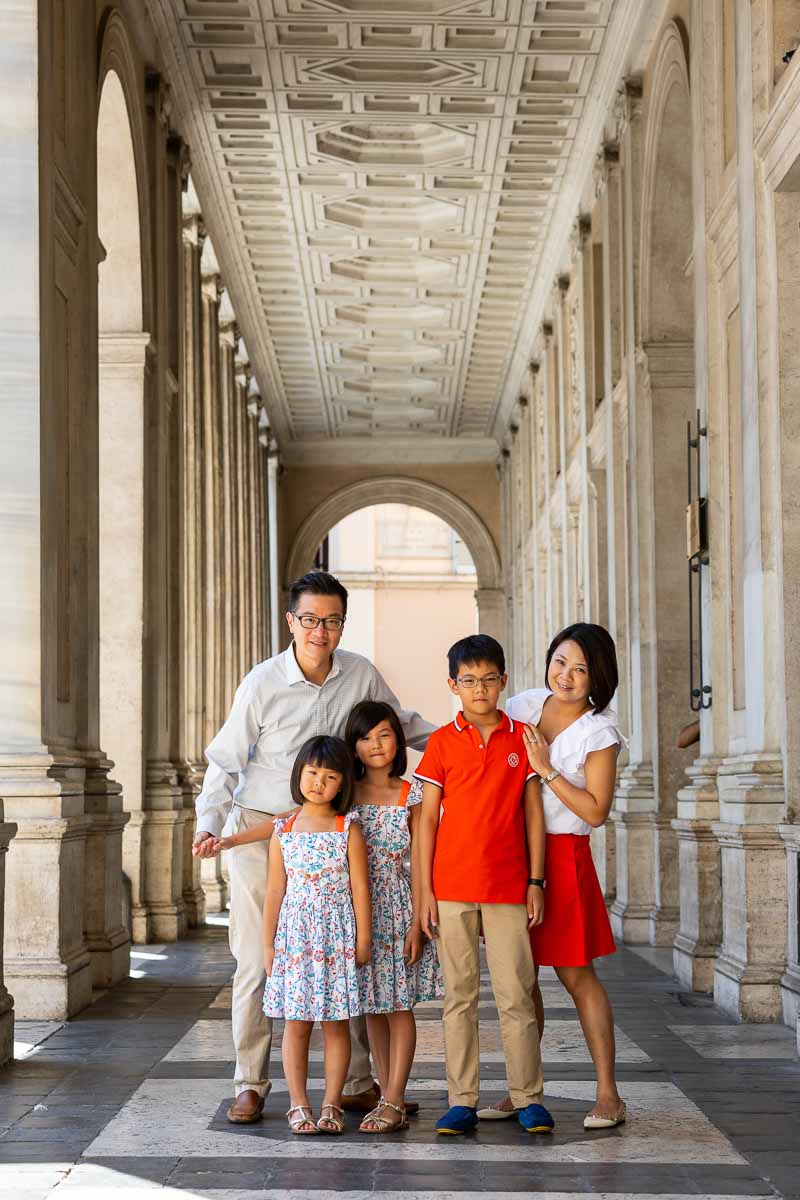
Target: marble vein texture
(739, 1041)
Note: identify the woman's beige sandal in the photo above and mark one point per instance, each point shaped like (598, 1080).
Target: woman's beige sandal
(301, 1121)
(497, 1112)
(328, 1121)
(595, 1121)
(382, 1124)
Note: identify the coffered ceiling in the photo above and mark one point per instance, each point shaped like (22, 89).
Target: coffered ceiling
(380, 179)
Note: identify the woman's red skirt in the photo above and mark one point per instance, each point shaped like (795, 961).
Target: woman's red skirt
(575, 928)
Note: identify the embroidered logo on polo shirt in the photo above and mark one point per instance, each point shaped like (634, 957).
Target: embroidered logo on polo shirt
(513, 760)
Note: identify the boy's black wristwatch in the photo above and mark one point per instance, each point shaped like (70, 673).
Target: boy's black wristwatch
(536, 882)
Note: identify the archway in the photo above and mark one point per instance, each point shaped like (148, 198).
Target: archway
(391, 489)
(122, 351)
(411, 584)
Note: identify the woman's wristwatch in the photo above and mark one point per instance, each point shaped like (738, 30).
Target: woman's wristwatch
(554, 774)
(536, 883)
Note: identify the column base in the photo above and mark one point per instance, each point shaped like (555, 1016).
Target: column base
(190, 778)
(107, 937)
(753, 958)
(49, 989)
(635, 854)
(698, 939)
(110, 957)
(167, 922)
(694, 964)
(6, 1027)
(215, 888)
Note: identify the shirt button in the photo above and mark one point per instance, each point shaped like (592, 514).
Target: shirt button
(480, 745)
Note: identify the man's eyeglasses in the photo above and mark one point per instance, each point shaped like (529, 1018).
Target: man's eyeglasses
(470, 682)
(309, 621)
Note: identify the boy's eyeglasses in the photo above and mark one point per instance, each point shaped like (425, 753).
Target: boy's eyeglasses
(309, 621)
(470, 682)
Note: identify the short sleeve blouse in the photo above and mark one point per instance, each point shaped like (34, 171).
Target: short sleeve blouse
(568, 751)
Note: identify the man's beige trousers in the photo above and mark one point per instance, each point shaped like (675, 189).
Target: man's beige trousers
(252, 1030)
(508, 956)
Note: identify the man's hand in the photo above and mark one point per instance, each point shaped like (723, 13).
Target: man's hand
(269, 958)
(534, 902)
(363, 951)
(205, 845)
(414, 944)
(429, 915)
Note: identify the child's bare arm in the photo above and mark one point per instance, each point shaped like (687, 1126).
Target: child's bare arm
(414, 940)
(262, 832)
(535, 832)
(359, 885)
(276, 890)
(428, 826)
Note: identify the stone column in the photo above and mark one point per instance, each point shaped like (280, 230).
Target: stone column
(227, 344)
(213, 881)
(122, 374)
(752, 794)
(191, 764)
(491, 612)
(272, 541)
(256, 567)
(162, 829)
(697, 941)
(242, 487)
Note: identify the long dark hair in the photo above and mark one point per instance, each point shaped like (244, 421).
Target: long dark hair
(332, 754)
(600, 653)
(365, 716)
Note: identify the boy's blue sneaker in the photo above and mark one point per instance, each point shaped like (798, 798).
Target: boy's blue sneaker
(458, 1119)
(535, 1118)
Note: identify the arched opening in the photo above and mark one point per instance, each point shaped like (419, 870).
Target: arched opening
(389, 489)
(667, 319)
(411, 581)
(122, 347)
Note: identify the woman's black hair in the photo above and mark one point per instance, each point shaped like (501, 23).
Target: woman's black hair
(600, 653)
(365, 716)
(332, 754)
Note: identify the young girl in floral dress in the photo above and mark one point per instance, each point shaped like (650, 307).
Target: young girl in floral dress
(404, 968)
(317, 926)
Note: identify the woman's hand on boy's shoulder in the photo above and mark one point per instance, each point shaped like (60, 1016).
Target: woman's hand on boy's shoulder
(537, 748)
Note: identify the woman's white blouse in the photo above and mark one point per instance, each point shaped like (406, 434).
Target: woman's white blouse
(568, 751)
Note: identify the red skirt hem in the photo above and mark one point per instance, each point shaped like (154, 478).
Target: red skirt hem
(575, 928)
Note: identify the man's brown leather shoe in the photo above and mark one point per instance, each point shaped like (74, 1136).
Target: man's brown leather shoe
(365, 1102)
(246, 1108)
(362, 1101)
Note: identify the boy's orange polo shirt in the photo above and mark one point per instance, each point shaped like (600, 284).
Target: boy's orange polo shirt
(481, 851)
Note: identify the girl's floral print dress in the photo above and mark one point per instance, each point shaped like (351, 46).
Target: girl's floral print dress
(390, 984)
(314, 975)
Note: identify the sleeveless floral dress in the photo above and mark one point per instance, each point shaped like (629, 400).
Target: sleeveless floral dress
(314, 975)
(389, 983)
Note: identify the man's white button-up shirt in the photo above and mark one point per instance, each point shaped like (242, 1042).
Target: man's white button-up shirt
(274, 711)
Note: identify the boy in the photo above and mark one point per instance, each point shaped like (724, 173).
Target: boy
(476, 869)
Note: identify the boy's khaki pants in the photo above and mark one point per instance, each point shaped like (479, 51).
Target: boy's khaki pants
(508, 955)
(252, 1030)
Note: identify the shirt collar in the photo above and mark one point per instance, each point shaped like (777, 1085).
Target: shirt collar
(506, 724)
(295, 675)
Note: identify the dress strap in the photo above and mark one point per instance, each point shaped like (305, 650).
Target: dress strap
(290, 822)
(340, 823)
(405, 788)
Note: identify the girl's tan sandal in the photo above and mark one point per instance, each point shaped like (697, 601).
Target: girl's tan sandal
(379, 1122)
(299, 1116)
(328, 1121)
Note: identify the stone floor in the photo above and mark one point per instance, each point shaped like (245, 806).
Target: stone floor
(129, 1098)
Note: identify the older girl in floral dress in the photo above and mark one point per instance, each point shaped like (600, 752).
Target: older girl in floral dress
(404, 968)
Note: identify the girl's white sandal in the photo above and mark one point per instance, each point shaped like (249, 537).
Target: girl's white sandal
(332, 1122)
(296, 1123)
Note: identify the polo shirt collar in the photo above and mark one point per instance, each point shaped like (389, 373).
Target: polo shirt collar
(506, 724)
(295, 675)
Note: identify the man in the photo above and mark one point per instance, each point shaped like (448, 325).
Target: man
(308, 689)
